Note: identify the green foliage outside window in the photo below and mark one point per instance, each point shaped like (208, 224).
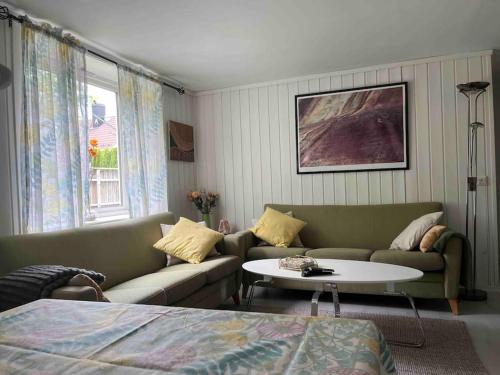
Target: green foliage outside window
(106, 158)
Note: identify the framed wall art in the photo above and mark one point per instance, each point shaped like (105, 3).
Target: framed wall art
(181, 141)
(356, 129)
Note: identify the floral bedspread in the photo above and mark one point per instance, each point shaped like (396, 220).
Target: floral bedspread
(56, 336)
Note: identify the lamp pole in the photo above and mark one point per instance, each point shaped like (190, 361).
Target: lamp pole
(472, 91)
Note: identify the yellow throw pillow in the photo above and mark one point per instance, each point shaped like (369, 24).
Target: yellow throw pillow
(297, 242)
(189, 241)
(430, 237)
(277, 228)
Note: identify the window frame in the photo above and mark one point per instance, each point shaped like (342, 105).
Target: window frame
(121, 212)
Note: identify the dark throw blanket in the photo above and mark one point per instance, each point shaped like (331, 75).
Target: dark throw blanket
(30, 283)
(466, 270)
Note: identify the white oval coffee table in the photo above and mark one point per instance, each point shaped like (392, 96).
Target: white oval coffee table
(346, 272)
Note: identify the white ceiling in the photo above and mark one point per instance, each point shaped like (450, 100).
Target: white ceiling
(220, 43)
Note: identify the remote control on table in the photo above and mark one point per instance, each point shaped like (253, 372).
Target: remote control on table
(316, 271)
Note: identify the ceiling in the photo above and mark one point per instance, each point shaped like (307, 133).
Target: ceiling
(208, 44)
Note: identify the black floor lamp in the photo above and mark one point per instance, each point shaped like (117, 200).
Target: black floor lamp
(472, 92)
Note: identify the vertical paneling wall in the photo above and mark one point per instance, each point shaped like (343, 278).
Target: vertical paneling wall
(181, 175)
(10, 113)
(6, 211)
(246, 147)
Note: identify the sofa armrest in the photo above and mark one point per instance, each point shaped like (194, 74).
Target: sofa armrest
(453, 264)
(238, 243)
(79, 293)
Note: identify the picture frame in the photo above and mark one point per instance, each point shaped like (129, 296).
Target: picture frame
(181, 141)
(352, 130)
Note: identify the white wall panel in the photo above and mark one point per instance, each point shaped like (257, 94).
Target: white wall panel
(255, 140)
(451, 181)
(285, 154)
(293, 89)
(247, 158)
(239, 208)
(411, 175)
(258, 137)
(422, 132)
(182, 175)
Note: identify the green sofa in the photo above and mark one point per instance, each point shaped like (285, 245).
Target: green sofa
(135, 271)
(364, 233)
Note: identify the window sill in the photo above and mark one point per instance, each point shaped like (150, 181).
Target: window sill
(107, 219)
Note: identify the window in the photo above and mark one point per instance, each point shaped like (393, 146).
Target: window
(105, 178)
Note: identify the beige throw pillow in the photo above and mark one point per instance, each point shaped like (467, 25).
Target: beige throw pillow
(430, 237)
(84, 280)
(411, 236)
(171, 260)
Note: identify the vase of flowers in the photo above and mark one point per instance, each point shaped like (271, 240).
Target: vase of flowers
(204, 202)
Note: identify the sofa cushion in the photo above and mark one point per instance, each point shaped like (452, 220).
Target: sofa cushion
(146, 295)
(341, 253)
(177, 283)
(215, 268)
(271, 252)
(431, 261)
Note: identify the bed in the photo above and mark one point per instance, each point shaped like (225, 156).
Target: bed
(57, 336)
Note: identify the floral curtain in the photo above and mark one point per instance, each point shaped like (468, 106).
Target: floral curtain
(54, 158)
(142, 141)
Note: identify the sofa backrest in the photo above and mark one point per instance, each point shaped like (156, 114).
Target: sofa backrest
(121, 251)
(367, 227)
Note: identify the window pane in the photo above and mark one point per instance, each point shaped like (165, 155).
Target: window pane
(105, 184)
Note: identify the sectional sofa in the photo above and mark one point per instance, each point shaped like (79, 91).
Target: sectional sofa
(135, 271)
(365, 233)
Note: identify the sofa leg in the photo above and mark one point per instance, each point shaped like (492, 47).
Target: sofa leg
(236, 298)
(453, 305)
(244, 292)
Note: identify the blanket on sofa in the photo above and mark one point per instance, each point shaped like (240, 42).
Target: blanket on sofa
(30, 283)
(57, 336)
(466, 270)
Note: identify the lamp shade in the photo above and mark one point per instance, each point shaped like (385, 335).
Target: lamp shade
(474, 87)
(5, 76)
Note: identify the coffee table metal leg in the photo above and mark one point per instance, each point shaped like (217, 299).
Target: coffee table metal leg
(420, 342)
(332, 287)
(314, 302)
(335, 298)
(264, 282)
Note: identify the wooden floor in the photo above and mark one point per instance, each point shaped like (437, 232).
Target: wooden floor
(482, 318)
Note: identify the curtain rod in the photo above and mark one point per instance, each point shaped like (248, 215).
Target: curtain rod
(180, 90)
(6, 15)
